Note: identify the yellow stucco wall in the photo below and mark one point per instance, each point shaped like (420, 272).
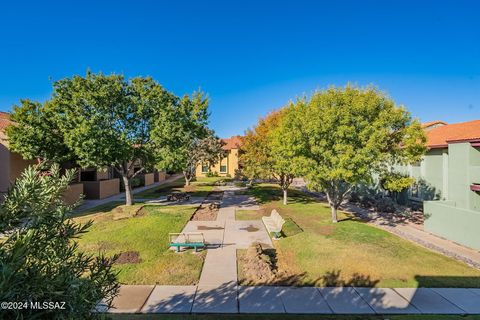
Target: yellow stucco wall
(230, 161)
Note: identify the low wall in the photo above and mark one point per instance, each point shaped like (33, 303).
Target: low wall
(101, 189)
(149, 178)
(73, 193)
(456, 224)
(161, 176)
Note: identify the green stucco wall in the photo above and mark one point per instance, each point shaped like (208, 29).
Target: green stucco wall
(459, 225)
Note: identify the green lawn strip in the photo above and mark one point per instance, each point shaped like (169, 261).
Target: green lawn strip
(290, 317)
(146, 234)
(248, 214)
(352, 252)
(199, 188)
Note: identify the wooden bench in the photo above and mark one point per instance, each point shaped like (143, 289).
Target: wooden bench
(178, 196)
(189, 240)
(274, 223)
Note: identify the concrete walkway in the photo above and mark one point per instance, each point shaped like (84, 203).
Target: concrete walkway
(229, 298)
(88, 204)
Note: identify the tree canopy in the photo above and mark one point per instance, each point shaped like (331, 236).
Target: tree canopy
(106, 120)
(346, 135)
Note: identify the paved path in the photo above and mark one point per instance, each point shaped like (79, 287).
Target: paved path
(297, 300)
(88, 204)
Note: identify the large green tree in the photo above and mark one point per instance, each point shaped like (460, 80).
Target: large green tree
(270, 151)
(40, 260)
(106, 120)
(347, 135)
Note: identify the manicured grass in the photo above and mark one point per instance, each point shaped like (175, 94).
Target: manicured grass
(352, 252)
(249, 214)
(199, 188)
(146, 234)
(292, 317)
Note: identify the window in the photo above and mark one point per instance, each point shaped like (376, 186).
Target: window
(223, 169)
(204, 169)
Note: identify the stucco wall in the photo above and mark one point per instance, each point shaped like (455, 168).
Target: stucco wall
(231, 161)
(149, 178)
(443, 218)
(101, 189)
(73, 193)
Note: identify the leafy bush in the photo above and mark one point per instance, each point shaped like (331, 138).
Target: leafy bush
(211, 174)
(385, 204)
(39, 256)
(228, 175)
(136, 182)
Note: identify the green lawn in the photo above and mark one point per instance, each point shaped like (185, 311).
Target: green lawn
(199, 188)
(352, 252)
(147, 234)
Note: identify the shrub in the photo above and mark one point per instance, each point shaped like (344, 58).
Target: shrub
(211, 174)
(385, 204)
(136, 182)
(39, 256)
(228, 175)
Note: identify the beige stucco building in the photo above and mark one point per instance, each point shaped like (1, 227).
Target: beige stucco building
(11, 163)
(229, 165)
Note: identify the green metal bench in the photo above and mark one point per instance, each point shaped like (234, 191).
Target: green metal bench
(188, 240)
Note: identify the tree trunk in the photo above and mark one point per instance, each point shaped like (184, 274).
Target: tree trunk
(285, 196)
(187, 181)
(334, 213)
(128, 191)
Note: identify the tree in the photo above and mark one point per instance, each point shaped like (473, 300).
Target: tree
(36, 134)
(349, 134)
(40, 260)
(191, 141)
(269, 151)
(101, 121)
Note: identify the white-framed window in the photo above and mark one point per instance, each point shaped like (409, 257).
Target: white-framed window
(223, 168)
(205, 168)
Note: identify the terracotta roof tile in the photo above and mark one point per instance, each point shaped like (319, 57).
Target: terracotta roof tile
(439, 137)
(234, 142)
(4, 120)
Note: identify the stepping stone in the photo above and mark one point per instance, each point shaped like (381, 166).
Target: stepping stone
(216, 299)
(263, 299)
(304, 300)
(344, 300)
(131, 298)
(462, 298)
(386, 301)
(167, 299)
(428, 301)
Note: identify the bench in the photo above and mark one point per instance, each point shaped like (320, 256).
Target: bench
(178, 196)
(274, 223)
(190, 240)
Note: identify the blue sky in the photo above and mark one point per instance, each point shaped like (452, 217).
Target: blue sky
(251, 56)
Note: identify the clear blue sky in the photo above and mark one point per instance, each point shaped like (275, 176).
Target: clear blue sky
(251, 56)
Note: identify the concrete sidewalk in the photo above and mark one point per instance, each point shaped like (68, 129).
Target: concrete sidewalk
(230, 298)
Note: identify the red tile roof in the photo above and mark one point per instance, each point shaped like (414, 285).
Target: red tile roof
(439, 137)
(434, 123)
(4, 120)
(234, 142)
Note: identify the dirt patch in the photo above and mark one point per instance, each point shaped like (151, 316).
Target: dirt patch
(250, 228)
(258, 266)
(205, 212)
(125, 212)
(128, 257)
